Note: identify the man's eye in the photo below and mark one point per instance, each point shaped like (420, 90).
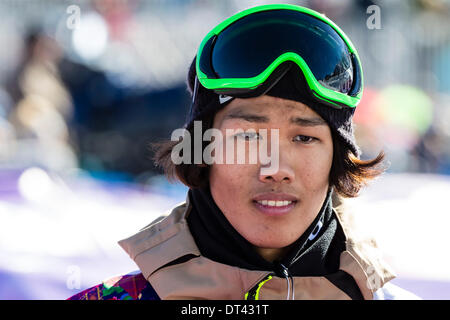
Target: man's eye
(248, 135)
(304, 139)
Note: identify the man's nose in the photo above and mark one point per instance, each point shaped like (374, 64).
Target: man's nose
(285, 172)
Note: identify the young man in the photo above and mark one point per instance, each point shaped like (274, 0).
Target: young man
(285, 79)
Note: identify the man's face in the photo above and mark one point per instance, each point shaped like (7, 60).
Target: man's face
(305, 157)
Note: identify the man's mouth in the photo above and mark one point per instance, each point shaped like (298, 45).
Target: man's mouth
(274, 208)
(275, 203)
(271, 203)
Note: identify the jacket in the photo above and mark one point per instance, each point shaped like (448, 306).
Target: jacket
(172, 267)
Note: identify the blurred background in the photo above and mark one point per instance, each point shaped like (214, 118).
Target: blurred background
(86, 86)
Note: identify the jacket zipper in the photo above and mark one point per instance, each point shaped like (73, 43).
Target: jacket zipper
(253, 293)
(289, 281)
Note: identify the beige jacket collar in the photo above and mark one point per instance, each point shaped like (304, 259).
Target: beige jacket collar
(169, 259)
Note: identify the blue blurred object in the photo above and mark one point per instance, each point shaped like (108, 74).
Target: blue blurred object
(442, 69)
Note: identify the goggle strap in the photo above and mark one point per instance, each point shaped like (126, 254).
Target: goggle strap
(194, 97)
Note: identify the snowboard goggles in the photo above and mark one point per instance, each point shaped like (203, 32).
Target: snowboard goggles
(248, 51)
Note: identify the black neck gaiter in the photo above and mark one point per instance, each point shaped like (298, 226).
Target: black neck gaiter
(315, 253)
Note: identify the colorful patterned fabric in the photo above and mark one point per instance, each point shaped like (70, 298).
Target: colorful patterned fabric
(126, 287)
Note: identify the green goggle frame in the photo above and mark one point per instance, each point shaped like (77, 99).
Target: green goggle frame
(321, 92)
